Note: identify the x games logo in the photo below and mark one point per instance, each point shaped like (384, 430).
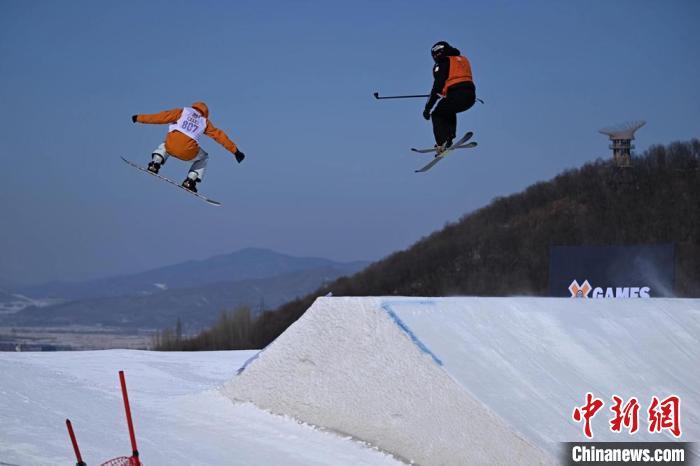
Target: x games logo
(586, 290)
(580, 291)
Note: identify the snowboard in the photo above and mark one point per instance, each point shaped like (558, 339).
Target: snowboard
(168, 180)
(461, 144)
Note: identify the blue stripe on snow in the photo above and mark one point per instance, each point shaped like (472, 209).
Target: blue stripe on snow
(387, 308)
(249, 361)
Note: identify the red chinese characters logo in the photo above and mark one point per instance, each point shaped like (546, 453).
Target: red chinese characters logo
(665, 415)
(587, 412)
(662, 414)
(627, 416)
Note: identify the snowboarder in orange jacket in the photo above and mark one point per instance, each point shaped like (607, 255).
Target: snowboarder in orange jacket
(182, 142)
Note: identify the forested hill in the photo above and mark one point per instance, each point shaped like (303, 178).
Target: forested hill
(503, 248)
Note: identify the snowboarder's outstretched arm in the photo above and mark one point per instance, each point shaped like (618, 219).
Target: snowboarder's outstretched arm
(161, 118)
(219, 136)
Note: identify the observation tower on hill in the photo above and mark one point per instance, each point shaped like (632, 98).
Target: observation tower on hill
(621, 137)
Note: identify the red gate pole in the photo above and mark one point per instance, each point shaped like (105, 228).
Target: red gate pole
(75, 444)
(135, 451)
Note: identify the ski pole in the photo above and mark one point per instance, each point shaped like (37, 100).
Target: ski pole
(135, 451)
(378, 97)
(75, 444)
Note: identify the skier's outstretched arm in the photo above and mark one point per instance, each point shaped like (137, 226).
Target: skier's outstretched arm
(219, 136)
(161, 118)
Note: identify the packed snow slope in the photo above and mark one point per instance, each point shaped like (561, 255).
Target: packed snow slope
(180, 416)
(477, 380)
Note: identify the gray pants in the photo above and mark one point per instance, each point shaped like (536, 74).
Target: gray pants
(199, 163)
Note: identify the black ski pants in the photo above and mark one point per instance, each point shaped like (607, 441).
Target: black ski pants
(459, 98)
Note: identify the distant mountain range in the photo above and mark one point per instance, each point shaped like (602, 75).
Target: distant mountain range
(11, 303)
(251, 263)
(195, 292)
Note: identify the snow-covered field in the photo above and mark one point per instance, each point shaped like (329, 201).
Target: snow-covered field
(479, 380)
(448, 381)
(180, 416)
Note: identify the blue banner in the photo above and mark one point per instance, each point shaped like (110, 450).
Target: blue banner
(612, 271)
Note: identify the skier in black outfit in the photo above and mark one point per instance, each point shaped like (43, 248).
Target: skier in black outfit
(453, 81)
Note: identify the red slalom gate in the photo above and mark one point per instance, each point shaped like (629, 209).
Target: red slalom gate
(132, 460)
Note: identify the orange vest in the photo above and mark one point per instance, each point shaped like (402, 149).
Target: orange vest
(460, 71)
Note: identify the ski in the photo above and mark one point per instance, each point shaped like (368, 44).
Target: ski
(468, 145)
(457, 145)
(168, 180)
(443, 155)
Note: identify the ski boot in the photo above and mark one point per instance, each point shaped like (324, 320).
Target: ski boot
(154, 165)
(440, 149)
(190, 182)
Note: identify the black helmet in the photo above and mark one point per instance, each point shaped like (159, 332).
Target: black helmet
(439, 49)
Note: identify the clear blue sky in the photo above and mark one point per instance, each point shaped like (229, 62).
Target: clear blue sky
(328, 171)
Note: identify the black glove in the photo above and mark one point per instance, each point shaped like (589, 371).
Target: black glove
(426, 113)
(239, 156)
(133, 118)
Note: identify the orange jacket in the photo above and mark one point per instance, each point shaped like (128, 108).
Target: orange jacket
(179, 144)
(460, 71)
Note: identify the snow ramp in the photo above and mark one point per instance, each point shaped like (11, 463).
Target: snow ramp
(443, 381)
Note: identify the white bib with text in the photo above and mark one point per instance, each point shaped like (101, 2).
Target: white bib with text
(191, 123)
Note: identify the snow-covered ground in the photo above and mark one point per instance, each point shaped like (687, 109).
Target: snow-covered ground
(448, 381)
(479, 380)
(180, 415)
(532, 360)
